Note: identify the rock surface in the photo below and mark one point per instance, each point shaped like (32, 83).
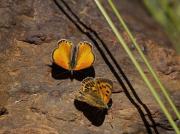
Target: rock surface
(33, 101)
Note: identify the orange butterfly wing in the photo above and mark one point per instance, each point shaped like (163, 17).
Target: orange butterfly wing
(85, 57)
(62, 54)
(105, 89)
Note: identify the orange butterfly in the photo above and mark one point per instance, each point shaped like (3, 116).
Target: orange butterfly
(73, 59)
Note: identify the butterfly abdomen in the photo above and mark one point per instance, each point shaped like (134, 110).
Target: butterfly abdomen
(73, 58)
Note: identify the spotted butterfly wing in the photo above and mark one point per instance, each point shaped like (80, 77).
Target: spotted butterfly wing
(105, 89)
(95, 92)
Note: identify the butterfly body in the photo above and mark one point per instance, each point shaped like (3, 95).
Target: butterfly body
(72, 58)
(95, 92)
(72, 64)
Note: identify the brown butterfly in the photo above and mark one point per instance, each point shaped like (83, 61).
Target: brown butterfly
(95, 92)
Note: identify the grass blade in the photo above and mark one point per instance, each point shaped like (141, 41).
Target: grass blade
(164, 91)
(153, 91)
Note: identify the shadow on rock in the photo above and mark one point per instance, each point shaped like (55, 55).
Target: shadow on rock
(3, 111)
(61, 73)
(93, 114)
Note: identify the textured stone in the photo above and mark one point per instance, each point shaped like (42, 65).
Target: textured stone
(34, 100)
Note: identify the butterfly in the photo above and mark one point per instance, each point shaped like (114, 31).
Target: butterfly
(73, 58)
(95, 92)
